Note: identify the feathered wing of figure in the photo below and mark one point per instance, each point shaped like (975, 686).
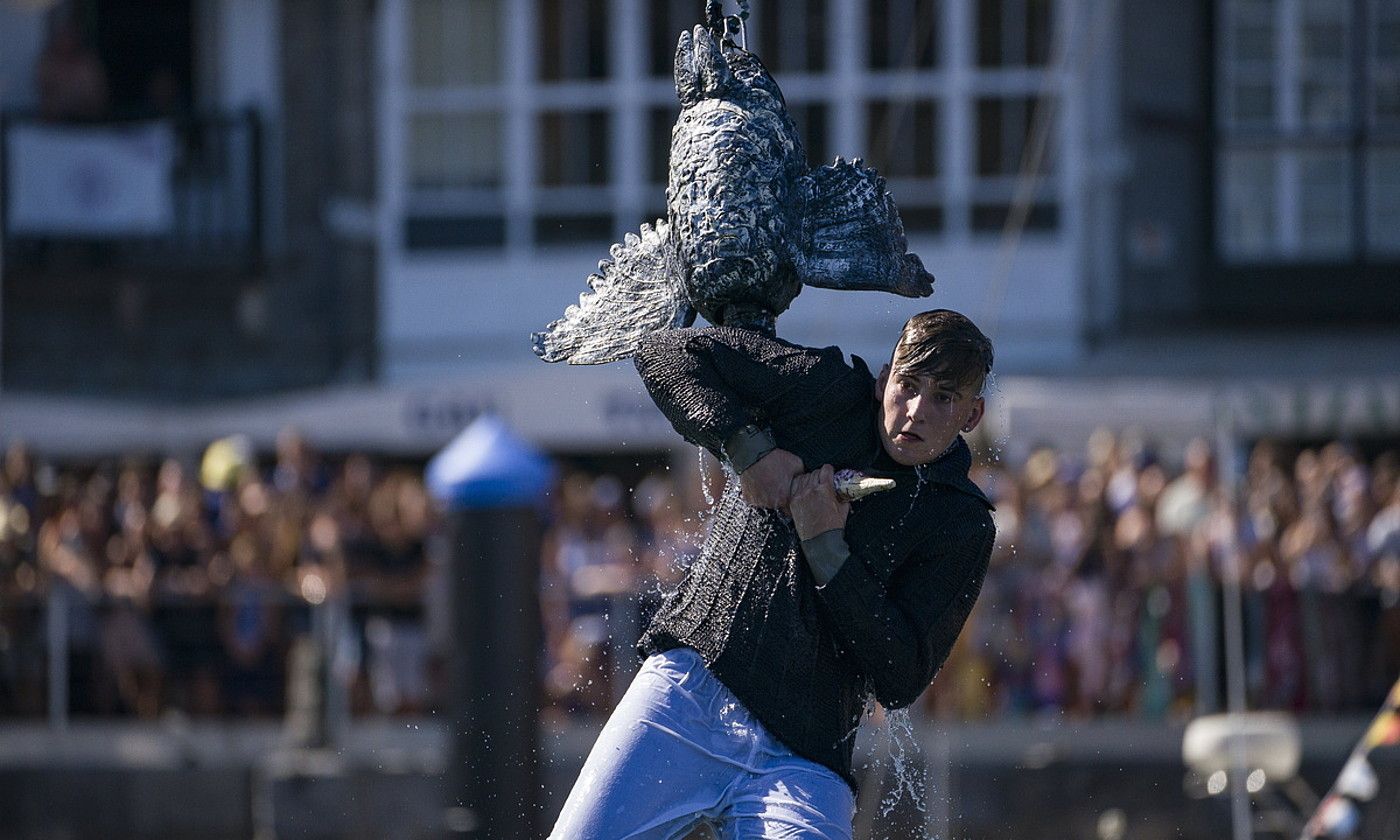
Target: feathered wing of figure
(748, 222)
(632, 294)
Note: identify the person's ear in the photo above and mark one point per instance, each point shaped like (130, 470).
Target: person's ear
(880, 382)
(979, 407)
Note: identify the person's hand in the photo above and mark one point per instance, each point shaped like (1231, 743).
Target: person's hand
(767, 483)
(815, 507)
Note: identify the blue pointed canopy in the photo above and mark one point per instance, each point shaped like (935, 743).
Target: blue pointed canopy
(488, 466)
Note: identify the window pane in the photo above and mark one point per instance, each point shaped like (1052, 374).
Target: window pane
(1325, 103)
(1247, 203)
(455, 42)
(588, 228)
(991, 218)
(1324, 74)
(1254, 42)
(573, 39)
(1324, 203)
(1325, 42)
(428, 233)
(1385, 101)
(1247, 72)
(1387, 32)
(454, 151)
(1003, 129)
(1385, 65)
(1253, 104)
(903, 34)
(919, 219)
(1383, 210)
(791, 36)
(1013, 33)
(573, 148)
(903, 138)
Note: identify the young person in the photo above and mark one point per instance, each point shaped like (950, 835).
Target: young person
(801, 605)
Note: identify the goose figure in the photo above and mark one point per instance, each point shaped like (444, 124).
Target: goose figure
(748, 222)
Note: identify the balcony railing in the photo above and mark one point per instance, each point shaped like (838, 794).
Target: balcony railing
(135, 266)
(178, 191)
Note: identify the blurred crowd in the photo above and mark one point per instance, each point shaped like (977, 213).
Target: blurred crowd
(179, 585)
(184, 585)
(1110, 587)
(1106, 593)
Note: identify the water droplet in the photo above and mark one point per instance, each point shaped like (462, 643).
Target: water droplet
(705, 478)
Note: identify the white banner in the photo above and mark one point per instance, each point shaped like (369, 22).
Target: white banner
(90, 180)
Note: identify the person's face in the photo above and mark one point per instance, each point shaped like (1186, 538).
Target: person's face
(920, 414)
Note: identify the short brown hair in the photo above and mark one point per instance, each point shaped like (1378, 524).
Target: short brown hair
(946, 345)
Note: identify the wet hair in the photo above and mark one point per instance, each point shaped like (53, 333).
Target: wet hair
(945, 345)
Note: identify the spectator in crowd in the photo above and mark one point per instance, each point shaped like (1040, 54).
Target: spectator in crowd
(251, 608)
(579, 680)
(388, 567)
(1383, 543)
(129, 649)
(591, 573)
(186, 579)
(18, 479)
(21, 637)
(668, 539)
(298, 471)
(68, 556)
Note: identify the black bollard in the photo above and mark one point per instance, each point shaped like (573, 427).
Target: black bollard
(491, 484)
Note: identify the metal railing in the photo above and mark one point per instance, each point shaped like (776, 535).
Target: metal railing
(198, 197)
(321, 643)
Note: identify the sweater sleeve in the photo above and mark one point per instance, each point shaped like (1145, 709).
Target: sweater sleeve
(711, 382)
(901, 632)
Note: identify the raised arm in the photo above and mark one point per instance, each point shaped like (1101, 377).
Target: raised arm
(738, 393)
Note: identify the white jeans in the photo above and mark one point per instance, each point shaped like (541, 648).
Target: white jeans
(679, 750)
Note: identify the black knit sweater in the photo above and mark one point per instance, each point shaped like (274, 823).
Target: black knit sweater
(803, 658)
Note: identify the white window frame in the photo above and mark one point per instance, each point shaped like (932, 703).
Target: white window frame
(1291, 141)
(629, 92)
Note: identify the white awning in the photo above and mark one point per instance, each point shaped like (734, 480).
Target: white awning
(606, 410)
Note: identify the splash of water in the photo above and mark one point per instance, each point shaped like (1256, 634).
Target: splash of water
(896, 768)
(705, 477)
(910, 774)
(732, 718)
(921, 475)
(992, 393)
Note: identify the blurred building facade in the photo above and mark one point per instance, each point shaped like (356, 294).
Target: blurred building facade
(1196, 202)
(1228, 162)
(520, 139)
(178, 182)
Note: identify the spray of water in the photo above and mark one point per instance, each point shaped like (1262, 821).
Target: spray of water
(992, 393)
(921, 475)
(910, 775)
(705, 478)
